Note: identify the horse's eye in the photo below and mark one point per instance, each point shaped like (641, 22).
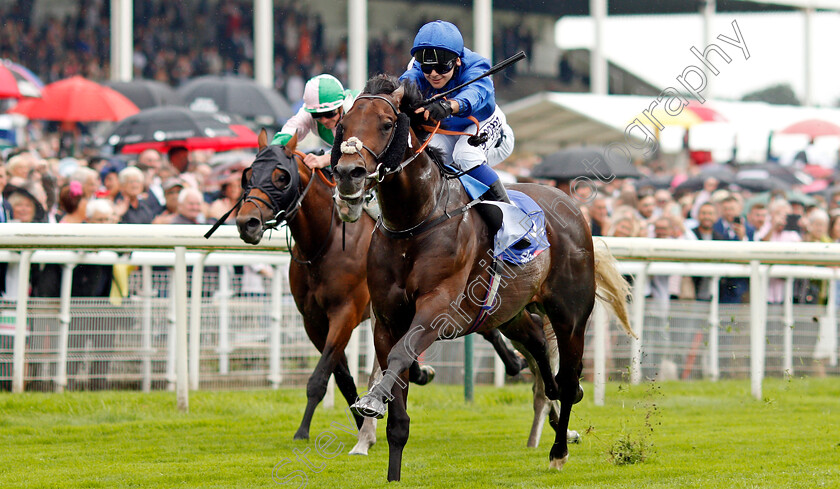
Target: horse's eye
(281, 179)
(387, 126)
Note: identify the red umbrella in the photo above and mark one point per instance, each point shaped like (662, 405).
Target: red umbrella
(244, 138)
(77, 100)
(18, 82)
(812, 128)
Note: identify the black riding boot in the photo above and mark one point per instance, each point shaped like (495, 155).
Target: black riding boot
(492, 215)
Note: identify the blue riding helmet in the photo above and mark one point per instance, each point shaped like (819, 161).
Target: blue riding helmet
(439, 35)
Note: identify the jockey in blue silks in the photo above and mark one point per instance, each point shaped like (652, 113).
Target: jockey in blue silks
(441, 62)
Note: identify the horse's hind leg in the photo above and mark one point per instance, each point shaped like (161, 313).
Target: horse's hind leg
(569, 328)
(513, 362)
(367, 433)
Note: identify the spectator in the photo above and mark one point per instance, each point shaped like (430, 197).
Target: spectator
(73, 203)
(100, 211)
(731, 227)
(599, 216)
(230, 192)
(757, 218)
(89, 178)
(189, 207)
(779, 232)
(707, 216)
(179, 158)
(171, 189)
(5, 216)
(131, 206)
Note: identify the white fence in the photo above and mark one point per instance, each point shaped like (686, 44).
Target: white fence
(237, 340)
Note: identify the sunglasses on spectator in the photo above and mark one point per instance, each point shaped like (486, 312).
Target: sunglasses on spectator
(441, 68)
(325, 115)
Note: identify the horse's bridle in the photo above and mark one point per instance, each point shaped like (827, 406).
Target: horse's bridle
(354, 145)
(280, 215)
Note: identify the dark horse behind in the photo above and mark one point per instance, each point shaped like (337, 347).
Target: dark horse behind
(428, 255)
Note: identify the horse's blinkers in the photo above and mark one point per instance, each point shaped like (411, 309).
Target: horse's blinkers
(268, 159)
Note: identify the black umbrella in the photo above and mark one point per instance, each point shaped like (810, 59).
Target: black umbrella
(772, 170)
(161, 124)
(146, 93)
(235, 95)
(588, 161)
(719, 171)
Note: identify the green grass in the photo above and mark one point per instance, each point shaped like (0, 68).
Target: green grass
(704, 435)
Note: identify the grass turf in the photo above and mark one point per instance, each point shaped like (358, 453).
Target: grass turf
(698, 434)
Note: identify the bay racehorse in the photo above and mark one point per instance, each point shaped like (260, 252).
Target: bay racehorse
(327, 275)
(430, 251)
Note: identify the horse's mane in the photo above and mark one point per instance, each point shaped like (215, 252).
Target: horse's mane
(386, 84)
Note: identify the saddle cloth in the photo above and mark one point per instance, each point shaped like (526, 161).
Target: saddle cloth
(523, 218)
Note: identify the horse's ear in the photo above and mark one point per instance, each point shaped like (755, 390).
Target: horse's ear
(291, 145)
(262, 139)
(398, 95)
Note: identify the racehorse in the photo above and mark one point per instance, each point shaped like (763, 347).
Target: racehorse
(328, 272)
(430, 250)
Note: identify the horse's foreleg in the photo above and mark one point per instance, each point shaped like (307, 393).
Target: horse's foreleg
(397, 429)
(316, 389)
(399, 359)
(513, 362)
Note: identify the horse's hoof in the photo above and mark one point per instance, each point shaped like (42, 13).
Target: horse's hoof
(572, 436)
(558, 463)
(359, 449)
(579, 396)
(430, 373)
(369, 407)
(301, 436)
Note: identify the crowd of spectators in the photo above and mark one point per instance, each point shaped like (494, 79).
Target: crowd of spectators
(624, 209)
(35, 187)
(176, 41)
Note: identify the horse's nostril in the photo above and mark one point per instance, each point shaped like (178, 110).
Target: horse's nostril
(358, 172)
(253, 223)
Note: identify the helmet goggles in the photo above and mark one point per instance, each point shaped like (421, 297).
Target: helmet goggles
(440, 60)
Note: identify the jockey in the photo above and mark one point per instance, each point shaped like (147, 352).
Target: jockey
(441, 62)
(324, 102)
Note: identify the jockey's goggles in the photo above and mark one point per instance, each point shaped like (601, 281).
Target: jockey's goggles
(325, 115)
(439, 60)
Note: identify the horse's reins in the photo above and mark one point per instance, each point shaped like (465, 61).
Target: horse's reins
(354, 145)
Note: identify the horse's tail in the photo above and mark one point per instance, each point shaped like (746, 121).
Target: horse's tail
(612, 289)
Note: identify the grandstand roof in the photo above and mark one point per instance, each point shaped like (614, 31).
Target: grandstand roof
(623, 7)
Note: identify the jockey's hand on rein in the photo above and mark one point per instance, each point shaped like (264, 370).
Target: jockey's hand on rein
(439, 110)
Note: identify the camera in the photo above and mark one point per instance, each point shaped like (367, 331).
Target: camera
(792, 223)
(736, 220)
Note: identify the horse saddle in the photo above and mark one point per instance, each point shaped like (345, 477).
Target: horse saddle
(522, 218)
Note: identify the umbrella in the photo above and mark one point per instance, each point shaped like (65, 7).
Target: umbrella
(719, 171)
(234, 95)
(164, 127)
(18, 82)
(587, 161)
(77, 99)
(755, 183)
(812, 128)
(760, 171)
(692, 114)
(146, 93)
